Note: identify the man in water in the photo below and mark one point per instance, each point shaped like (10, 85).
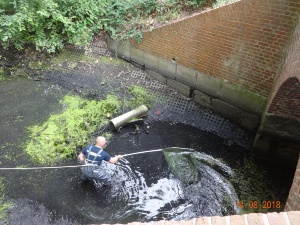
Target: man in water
(93, 155)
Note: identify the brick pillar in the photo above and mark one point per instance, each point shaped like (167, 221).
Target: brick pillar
(293, 201)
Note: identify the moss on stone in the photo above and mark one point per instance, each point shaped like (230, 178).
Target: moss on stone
(112, 60)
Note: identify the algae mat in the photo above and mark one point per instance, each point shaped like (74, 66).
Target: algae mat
(182, 164)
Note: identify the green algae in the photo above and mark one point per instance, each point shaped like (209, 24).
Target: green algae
(141, 96)
(4, 205)
(113, 60)
(182, 165)
(63, 134)
(60, 136)
(74, 57)
(254, 186)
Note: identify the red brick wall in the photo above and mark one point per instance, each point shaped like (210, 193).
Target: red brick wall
(243, 42)
(293, 201)
(287, 99)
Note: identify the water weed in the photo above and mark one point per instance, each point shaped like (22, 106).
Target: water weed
(4, 205)
(60, 136)
(140, 97)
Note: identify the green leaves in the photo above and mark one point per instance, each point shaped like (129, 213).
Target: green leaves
(140, 97)
(50, 24)
(62, 134)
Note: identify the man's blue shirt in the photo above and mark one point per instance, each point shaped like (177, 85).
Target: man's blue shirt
(103, 155)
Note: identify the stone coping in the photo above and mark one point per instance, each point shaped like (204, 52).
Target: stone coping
(282, 218)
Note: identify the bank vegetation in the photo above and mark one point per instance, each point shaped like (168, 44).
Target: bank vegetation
(49, 25)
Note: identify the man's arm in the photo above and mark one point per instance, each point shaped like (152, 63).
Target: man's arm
(113, 160)
(81, 157)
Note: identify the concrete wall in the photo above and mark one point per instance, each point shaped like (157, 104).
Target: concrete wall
(226, 59)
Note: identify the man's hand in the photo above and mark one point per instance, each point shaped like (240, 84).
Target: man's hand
(81, 158)
(113, 160)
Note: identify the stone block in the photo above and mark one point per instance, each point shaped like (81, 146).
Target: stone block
(237, 220)
(157, 76)
(203, 221)
(123, 50)
(226, 110)
(182, 88)
(208, 84)
(167, 68)
(249, 121)
(120, 48)
(255, 219)
(186, 75)
(242, 98)
(151, 62)
(276, 219)
(294, 217)
(202, 99)
(218, 220)
(111, 44)
(185, 222)
(134, 223)
(137, 56)
(282, 126)
(161, 222)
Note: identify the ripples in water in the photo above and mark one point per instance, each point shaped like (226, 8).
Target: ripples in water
(168, 198)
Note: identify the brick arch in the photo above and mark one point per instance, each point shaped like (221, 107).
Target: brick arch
(286, 101)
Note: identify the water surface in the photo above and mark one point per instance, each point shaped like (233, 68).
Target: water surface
(144, 188)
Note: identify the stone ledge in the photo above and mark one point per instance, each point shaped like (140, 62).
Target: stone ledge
(282, 218)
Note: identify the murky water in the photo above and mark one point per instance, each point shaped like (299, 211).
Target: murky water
(144, 188)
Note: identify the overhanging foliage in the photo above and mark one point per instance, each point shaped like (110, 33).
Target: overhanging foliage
(50, 24)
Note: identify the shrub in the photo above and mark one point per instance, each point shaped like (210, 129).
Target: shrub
(48, 25)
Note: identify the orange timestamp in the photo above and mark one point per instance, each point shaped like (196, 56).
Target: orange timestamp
(258, 204)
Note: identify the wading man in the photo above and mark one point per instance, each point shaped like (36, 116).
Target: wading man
(94, 155)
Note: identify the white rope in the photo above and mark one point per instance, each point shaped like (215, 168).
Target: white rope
(40, 168)
(61, 167)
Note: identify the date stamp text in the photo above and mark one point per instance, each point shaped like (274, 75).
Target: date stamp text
(258, 204)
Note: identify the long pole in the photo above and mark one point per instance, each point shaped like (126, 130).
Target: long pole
(61, 167)
(137, 153)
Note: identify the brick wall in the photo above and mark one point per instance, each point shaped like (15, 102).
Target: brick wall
(278, 136)
(243, 43)
(293, 201)
(287, 99)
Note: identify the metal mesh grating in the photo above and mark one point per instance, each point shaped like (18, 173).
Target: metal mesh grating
(172, 105)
